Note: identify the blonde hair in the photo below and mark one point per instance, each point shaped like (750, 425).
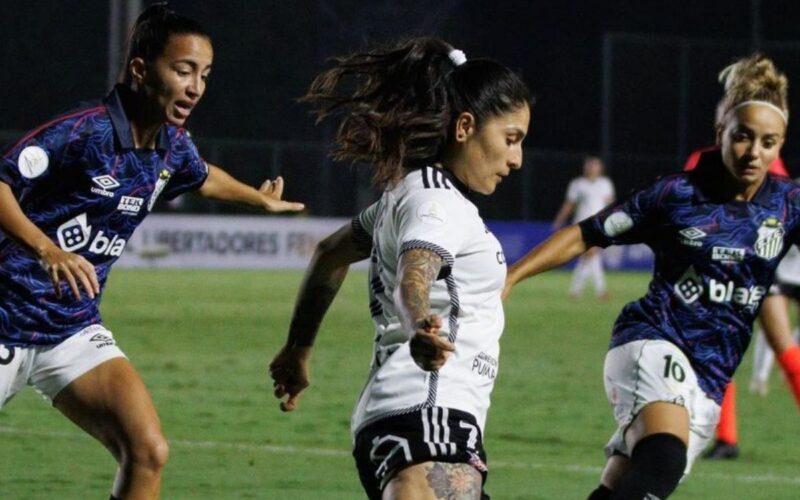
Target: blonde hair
(753, 78)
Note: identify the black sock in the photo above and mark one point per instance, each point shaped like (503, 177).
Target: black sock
(601, 493)
(657, 465)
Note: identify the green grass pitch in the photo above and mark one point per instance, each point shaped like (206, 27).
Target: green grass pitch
(202, 340)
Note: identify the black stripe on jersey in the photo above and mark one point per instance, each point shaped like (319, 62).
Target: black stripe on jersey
(448, 259)
(435, 176)
(375, 308)
(377, 285)
(361, 236)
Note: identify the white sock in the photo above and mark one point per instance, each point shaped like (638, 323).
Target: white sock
(598, 277)
(579, 276)
(763, 358)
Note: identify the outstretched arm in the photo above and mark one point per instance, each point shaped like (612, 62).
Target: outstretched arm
(220, 185)
(321, 283)
(566, 210)
(417, 270)
(560, 248)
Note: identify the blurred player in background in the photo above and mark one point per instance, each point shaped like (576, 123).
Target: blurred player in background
(587, 195)
(718, 234)
(437, 129)
(72, 192)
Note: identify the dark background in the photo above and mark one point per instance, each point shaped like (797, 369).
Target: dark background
(662, 61)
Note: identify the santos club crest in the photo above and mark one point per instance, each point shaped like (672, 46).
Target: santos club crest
(770, 239)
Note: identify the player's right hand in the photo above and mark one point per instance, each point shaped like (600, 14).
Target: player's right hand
(428, 349)
(289, 372)
(72, 268)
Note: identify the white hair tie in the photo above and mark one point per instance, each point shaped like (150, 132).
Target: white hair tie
(457, 57)
(773, 107)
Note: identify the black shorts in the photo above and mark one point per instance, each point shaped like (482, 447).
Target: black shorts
(787, 289)
(428, 435)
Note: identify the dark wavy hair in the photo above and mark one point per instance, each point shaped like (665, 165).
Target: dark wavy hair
(398, 105)
(151, 31)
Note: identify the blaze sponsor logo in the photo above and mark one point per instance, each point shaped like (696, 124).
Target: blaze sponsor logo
(105, 184)
(130, 205)
(690, 288)
(727, 254)
(76, 234)
(691, 236)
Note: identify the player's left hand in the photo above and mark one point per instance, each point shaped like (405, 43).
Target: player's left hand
(289, 372)
(428, 349)
(272, 192)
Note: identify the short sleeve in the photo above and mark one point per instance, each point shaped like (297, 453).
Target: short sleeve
(40, 153)
(573, 193)
(363, 226)
(191, 170)
(433, 219)
(632, 220)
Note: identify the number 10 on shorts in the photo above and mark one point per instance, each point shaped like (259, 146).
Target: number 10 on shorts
(673, 369)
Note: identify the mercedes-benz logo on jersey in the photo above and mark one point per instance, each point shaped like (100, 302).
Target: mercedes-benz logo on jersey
(770, 239)
(74, 234)
(689, 287)
(105, 184)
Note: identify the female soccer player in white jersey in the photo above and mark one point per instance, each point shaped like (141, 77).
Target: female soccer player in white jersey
(71, 194)
(437, 129)
(587, 195)
(718, 234)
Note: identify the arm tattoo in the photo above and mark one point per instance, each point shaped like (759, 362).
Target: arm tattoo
(418, 269)
(453, 481)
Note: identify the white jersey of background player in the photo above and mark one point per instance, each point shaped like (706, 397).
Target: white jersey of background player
(587, 195)
(430, 209)
(787, 282)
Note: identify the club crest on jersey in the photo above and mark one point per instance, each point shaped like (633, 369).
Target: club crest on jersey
(770, 239)
(161, 183)
(104, 185)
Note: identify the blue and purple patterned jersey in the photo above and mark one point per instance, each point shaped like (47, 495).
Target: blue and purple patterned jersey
(714, 262)
(80, 179)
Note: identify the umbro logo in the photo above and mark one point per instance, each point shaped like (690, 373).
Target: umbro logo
(102, 340)
(691, 236)
(105, 184)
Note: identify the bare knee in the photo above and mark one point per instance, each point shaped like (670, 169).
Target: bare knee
(150, 451)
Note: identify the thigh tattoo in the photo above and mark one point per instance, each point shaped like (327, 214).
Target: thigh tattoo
(453, 481)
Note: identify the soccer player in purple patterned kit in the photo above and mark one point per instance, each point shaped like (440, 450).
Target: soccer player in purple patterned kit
(71, 194)
(718, 234)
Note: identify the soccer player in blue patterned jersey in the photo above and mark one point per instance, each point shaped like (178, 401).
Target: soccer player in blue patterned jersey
(718, 234)
(71, 194)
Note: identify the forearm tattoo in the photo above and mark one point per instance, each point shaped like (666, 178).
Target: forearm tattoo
(457, 481)
(418, 270)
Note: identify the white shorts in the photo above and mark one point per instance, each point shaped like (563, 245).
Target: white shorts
(648, 371)
(50, 368)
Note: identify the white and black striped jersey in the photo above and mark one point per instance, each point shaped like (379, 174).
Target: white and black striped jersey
(430, 209)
